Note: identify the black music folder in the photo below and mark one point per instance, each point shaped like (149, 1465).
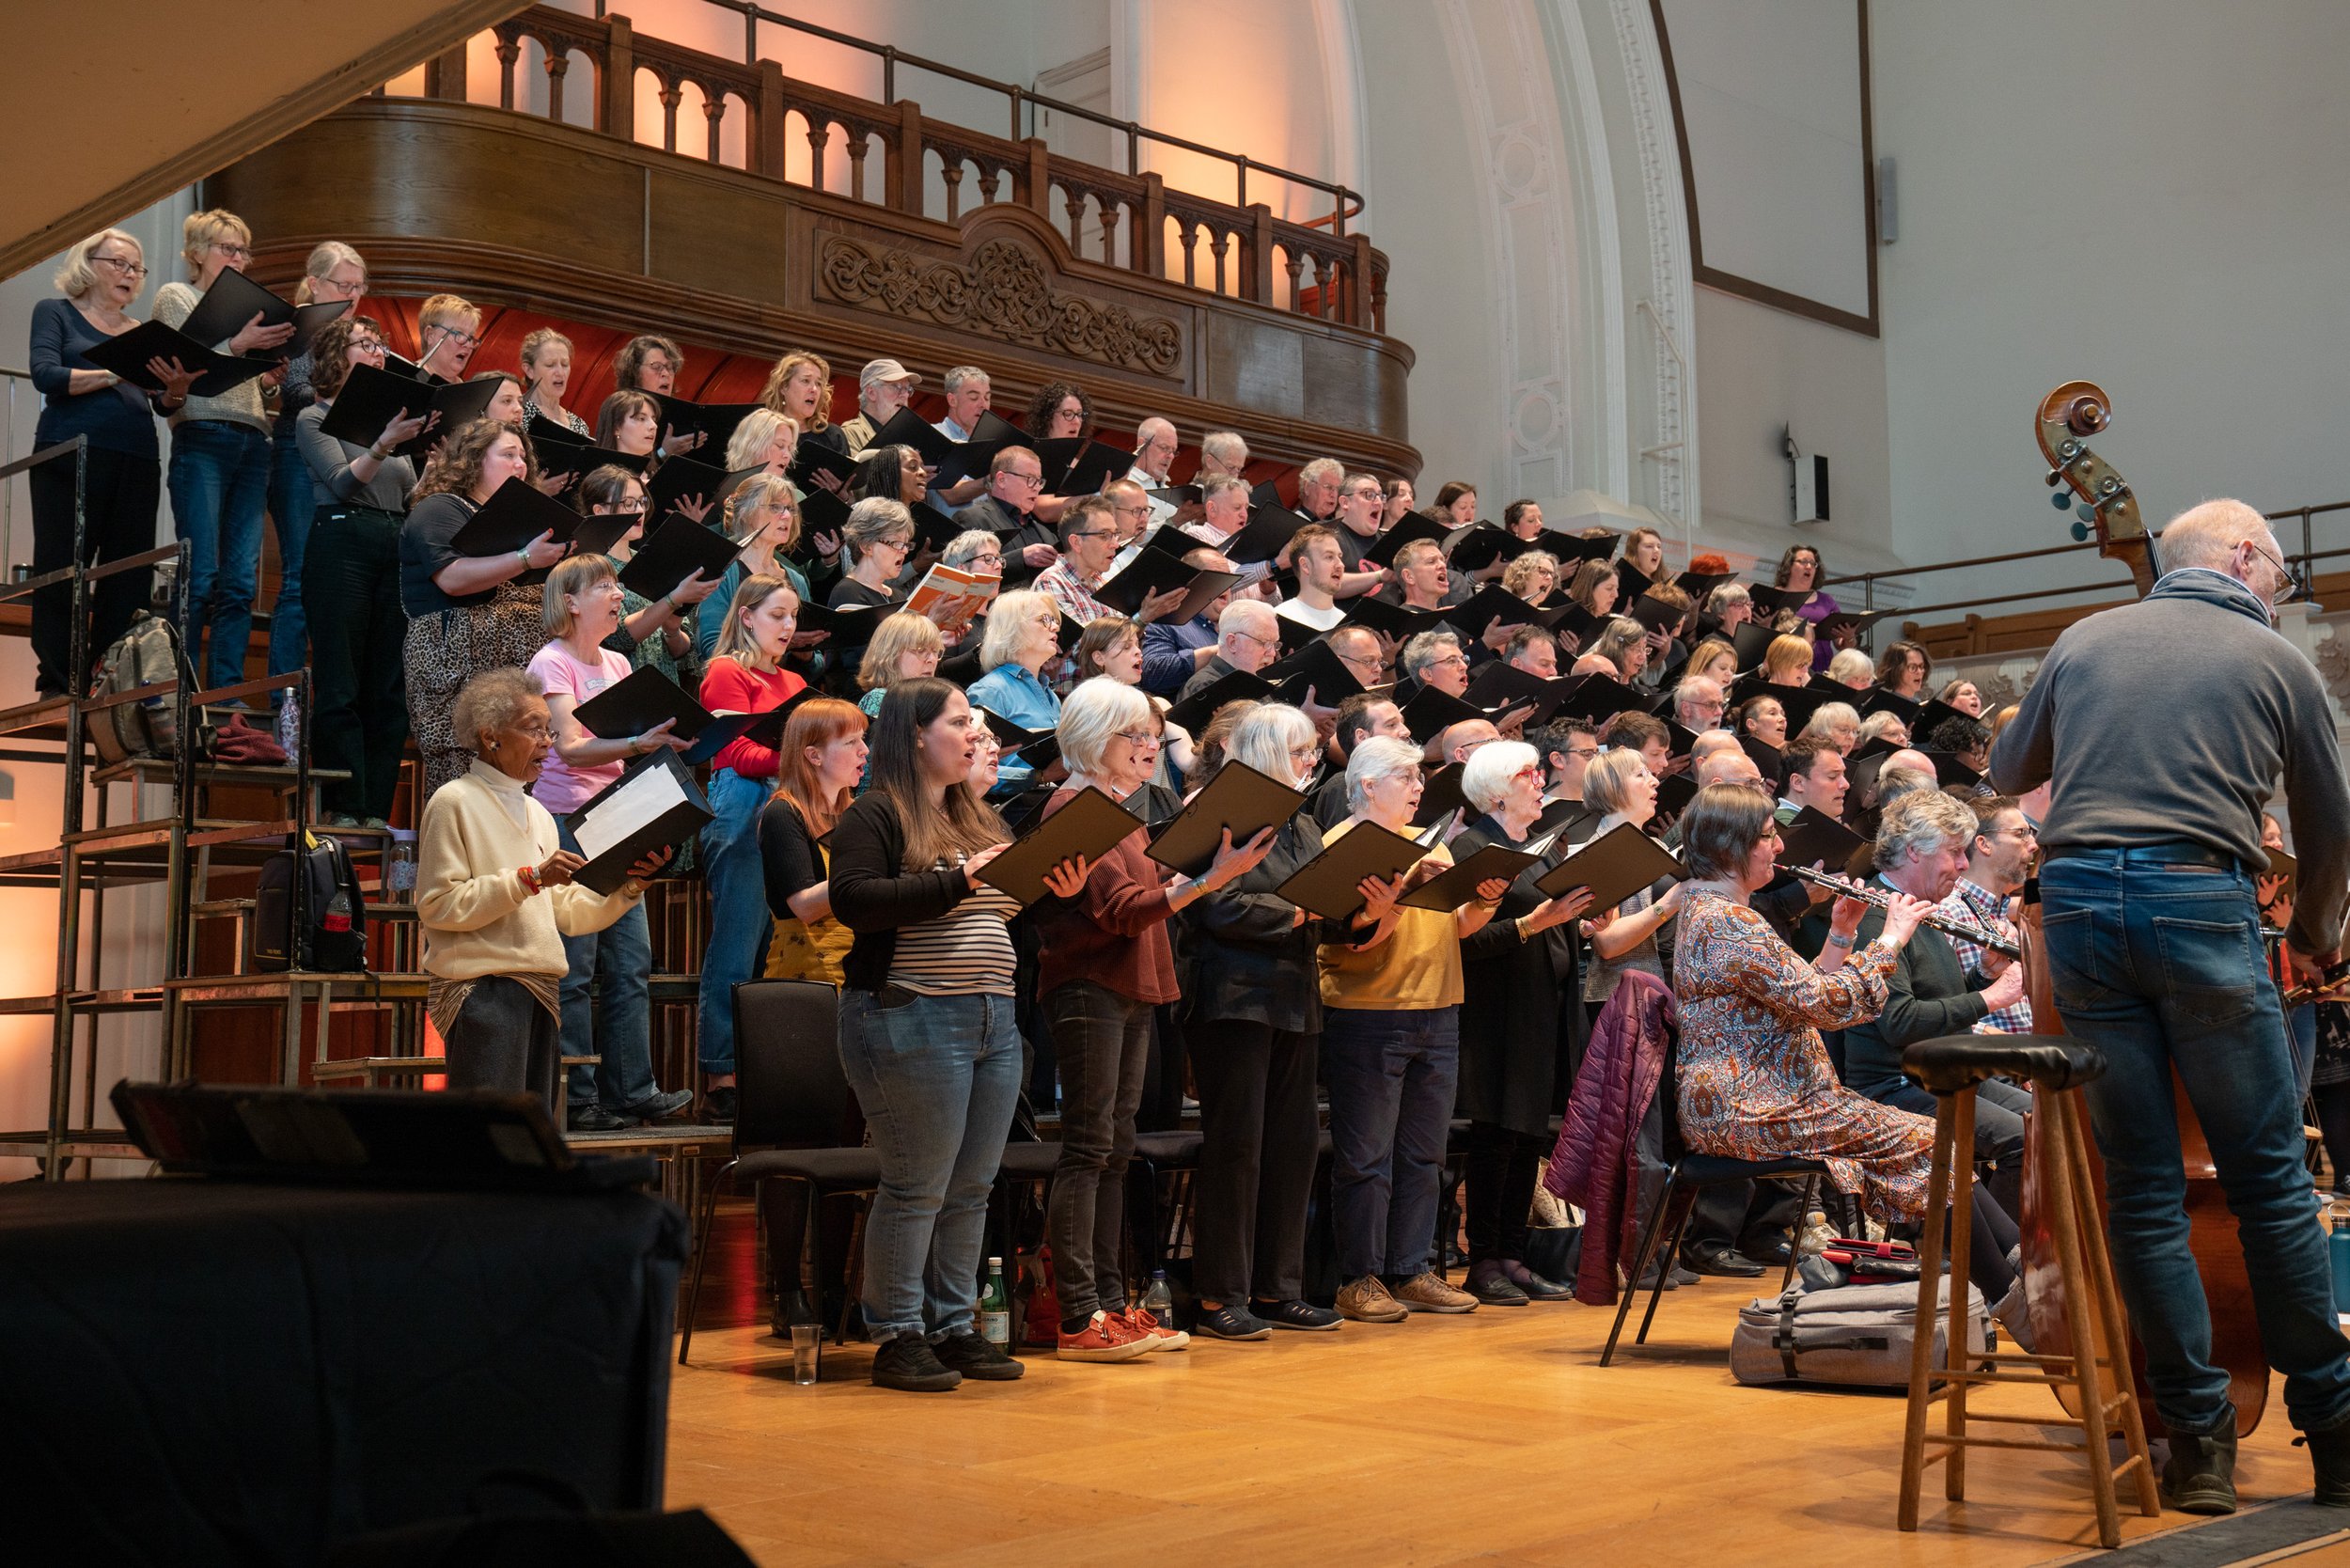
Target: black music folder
(1614, 866)
(1489, 606)
(1430, 712)
(235, 299)
(1238, 797)
(1454, 887)
(1440, 796)
(599, 531)
(372, 399)
(1769, 601)
(683, 479)
(516, 514)
(1267, 534)
(634, 704)
(1315, 668)
(1813, 837)
(1480, 544)
(1039, 748)
(653, 805)
(674, 552)
(1198, 709)
(1075, 467)
(1411, 525)
(1600, 697)
(1653, 614)
(1326, 884)
(954, 460)
(580, 458)
(1749, 641)
(126, 355)
(817, 466)
(1155, 572)
(715, 422)
(1392, 621)
(1091, 824)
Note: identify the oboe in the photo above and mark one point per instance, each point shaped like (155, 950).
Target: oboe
(1949, 925)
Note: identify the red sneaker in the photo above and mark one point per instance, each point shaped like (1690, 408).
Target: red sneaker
(1105, 1339)
(1161, 1336)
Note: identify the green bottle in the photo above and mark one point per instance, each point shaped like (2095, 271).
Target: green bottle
(995, 1308)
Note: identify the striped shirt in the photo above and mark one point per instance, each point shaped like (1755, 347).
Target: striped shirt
(964, 952)
(1969, 900)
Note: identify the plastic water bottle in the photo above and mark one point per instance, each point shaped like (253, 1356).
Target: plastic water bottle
(1158, 1300)
(290, 724)
(995, 1308)
(2338, 1253)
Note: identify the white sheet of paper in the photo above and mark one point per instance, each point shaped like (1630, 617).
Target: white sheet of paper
(637, 803)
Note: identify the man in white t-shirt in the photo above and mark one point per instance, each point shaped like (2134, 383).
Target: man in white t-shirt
(1321, 567)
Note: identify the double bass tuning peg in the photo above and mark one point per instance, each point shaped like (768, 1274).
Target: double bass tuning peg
(2061, 501)
(2080, 533)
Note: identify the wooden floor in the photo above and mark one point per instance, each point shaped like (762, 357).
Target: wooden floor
(1491, 1438)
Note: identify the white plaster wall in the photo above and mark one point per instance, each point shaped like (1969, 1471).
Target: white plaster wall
(2146, 193)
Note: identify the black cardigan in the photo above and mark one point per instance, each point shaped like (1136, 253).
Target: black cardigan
(1520, 1029)
(873, 895)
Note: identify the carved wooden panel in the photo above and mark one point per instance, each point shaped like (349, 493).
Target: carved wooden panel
(1002, 290)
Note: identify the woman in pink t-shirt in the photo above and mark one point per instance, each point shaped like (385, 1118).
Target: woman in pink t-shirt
(583, 609)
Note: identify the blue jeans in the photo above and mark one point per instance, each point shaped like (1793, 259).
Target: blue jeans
(219, 484)
(1391, 1077)
(2159, 966)
(740, 924)
(293, 504)
(937, 1078)
(608, 1007)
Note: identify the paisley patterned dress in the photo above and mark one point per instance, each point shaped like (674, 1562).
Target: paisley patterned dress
(1756, 1082)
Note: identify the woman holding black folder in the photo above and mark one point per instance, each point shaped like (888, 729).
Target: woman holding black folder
(762, 515)
(351, 584)
(101, 278)
(1253, 1028)
(466, 614)
(653, 632)
(1390, 1058)
(1518, 1038)
(547, 357)
(606, 994)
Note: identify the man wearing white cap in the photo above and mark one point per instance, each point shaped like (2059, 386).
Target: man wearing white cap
(883, 387)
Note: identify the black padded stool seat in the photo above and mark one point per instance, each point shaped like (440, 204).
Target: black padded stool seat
(1950, 1063)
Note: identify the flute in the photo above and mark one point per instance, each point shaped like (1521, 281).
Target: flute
(1949, 925)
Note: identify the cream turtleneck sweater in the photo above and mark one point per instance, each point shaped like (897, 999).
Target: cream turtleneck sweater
(479, 917)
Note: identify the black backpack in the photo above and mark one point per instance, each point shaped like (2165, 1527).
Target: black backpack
(331, 939)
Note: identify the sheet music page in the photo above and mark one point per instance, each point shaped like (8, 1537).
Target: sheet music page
(637, 805)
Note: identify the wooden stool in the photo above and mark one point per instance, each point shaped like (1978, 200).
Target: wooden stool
(2056, 1066)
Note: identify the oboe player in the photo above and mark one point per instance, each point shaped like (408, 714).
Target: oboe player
(1922, 850)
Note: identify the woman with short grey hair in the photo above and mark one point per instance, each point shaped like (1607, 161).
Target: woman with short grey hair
(1104, 963)
(494, 896)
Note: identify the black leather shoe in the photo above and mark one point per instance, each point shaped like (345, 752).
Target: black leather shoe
(1491, 1285)
(910, 1365)
(2329, 1454)
(718, 1107)
(658, 1106)
(2199, 1475)
(1537, 1287)
(1771, 1251)
(1715, 1258)
(595, 1119)
(973, 1356)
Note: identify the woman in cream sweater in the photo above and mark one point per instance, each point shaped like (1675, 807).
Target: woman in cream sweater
(495, 898)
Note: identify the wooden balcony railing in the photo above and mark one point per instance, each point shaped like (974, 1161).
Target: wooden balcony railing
(894, 157)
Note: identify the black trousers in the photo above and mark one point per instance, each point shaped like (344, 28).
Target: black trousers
(1498, 1168)
(1260, 1134)
(118, 502)
(359, 704)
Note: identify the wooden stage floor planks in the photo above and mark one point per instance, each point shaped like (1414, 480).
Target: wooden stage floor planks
(1490, 1438)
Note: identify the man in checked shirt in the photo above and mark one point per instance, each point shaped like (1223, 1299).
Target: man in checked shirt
(1998, 860)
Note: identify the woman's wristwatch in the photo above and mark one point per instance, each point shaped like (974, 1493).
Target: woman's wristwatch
(1844, 940)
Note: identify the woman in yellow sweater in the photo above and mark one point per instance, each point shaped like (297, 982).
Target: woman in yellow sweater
(495, 898)
(1391, 1058)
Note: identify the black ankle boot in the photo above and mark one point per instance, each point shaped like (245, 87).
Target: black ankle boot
(2329, 1456)
(2199, 1475)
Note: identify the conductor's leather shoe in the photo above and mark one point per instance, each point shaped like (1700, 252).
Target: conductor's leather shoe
(1713, 1257)
(2199, 1475)
(1770, 1251)
(2329, 1455)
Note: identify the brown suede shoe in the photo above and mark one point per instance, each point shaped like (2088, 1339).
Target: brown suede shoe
(1366, 1300)
(1428, 1294)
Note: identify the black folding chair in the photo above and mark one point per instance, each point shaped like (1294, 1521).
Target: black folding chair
(793, 1119)
(1686, 1175)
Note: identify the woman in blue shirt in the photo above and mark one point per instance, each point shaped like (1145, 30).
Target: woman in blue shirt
(99, 278)
(1022, 636)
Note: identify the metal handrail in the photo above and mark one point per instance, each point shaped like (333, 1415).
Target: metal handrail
(2304, 558)
(1349, 203)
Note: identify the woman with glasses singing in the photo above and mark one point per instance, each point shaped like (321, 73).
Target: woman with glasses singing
(1518, 1037)
(1254, 1025)
(350, 579)
(1104, 964)
(220, 456)
(1023, 635)
(101, 278)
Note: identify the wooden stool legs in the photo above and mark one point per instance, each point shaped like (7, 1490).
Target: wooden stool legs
(2098, 1375)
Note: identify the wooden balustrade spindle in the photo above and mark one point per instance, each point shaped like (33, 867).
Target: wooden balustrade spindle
(1189, 232)
(509, 50)
(714, 110)
(672, 94)
(1073, 201)
(1292, 262)
(1219, 242)
(1110, 234)
(952, 172)
(558, 66)
(819, 138)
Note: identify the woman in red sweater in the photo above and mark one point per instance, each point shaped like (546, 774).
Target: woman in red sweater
(745, 676)
(1105, 963)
